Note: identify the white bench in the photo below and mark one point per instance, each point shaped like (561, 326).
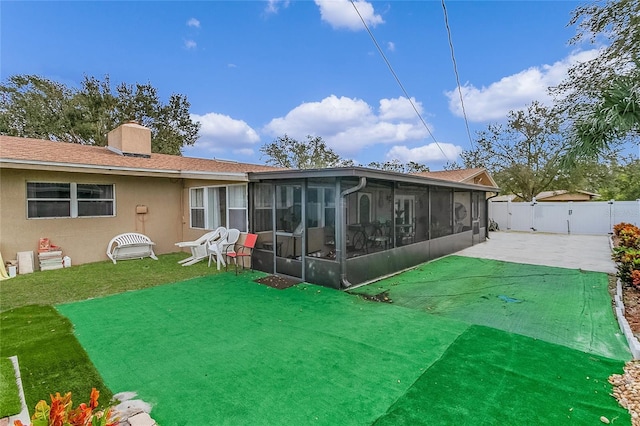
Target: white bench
(130, 245)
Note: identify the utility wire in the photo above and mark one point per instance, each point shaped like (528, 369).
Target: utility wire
(424, 123)
(455, 71)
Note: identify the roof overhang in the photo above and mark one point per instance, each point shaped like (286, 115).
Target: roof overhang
(357, 172)
(118, 170)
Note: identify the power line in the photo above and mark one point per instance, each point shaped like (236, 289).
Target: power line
(455, 71)
(375, 42)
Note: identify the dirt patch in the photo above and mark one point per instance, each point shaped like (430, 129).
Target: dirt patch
(380, 297)
(631, 300)
(277, 282)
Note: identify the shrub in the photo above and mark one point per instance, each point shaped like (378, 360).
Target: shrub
(62, 413)
(627, 253)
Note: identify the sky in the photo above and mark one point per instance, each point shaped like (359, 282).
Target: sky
(254, 71)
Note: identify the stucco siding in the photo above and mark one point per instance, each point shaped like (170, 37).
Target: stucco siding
(85, 239)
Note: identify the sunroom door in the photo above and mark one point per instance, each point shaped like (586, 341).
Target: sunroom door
(289, 232)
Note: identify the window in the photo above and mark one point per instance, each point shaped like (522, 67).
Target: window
(364, 207)
(216, 206)
(263, 207)
(404, 209)
(321, 207)
(50, 200)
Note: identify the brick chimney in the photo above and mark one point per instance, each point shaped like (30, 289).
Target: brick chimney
(130, 139)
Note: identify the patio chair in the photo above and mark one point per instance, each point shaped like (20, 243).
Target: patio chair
(244, 251)
(199, 246)
(220, 247)
(378, 235)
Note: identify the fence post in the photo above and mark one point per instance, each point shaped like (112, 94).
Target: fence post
(533, 214)
(611, 215)
(508, 214)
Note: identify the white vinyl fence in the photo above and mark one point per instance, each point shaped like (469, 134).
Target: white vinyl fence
(593, 217)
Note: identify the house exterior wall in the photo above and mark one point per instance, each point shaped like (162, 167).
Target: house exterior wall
(85, 239)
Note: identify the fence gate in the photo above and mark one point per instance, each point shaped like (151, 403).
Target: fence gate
(592, 217)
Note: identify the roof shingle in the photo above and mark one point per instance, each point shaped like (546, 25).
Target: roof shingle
(27, 150)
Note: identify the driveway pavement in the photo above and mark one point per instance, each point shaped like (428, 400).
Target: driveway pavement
(586, 252)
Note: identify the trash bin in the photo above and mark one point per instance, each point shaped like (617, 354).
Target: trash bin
(66, 261)
(11, 270)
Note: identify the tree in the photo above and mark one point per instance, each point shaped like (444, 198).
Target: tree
(396, 166)
(32, 106)
(622, 181)
(524, 156)
(290, 153)
(613, 117)
(315, 154)
(600, 97)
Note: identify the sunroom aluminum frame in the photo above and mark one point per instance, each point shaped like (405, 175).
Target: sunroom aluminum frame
(344, 273)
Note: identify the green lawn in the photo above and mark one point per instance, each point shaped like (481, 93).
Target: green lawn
(51, 358)
(9, 394)
(96, 280)
(221, 349)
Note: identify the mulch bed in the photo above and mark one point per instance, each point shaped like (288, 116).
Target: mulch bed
(277, 282)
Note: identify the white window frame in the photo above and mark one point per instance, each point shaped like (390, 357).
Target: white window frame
(210, 217)
(73, 200)
(400, 199)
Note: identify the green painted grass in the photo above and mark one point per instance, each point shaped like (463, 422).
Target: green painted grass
(230, 351)
(490, 377)
(96, 280)
(563, 306)
(9, 393)
(226, 350)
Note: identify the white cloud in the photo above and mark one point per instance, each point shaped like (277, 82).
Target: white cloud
(190, 44)
(399, 108)
(273, 6)
(341, 14)
(219, 132)
(347, 125)
(513, 92)
(391, 46)
(425, 154)
(193, 22)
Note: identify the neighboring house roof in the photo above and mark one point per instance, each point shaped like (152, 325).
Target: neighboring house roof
(550, 194)
(477, 175)
(16, 152)
(557, 195)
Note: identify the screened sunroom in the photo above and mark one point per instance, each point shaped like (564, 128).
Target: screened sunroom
(342, 227)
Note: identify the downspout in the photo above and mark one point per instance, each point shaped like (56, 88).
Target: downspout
(343, 234)
(486, 214)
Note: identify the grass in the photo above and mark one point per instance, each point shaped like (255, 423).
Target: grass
(51, 358)
(9, 393)
(228, 351)
(96, 280)
(298, 356)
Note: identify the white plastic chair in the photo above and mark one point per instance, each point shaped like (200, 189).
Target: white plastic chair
(221, 247)
(199, 246)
